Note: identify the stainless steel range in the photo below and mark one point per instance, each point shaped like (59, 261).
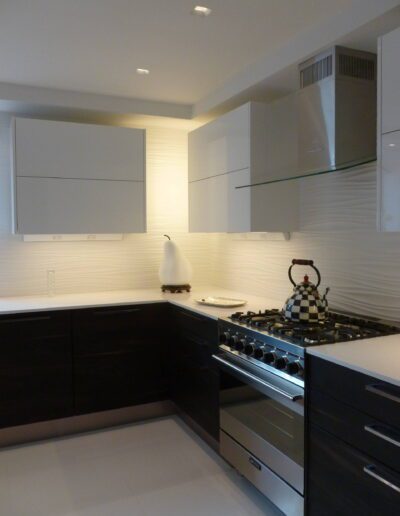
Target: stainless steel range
(262, 371)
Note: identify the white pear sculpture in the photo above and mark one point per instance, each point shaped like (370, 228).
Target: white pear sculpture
(175, 271)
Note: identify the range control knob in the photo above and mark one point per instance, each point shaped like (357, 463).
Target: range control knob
(270, 357)
(260, 352)
(232, 340)
(240, 344)
(224, 337)
(281, 362)
(250, 348)
(295, 368)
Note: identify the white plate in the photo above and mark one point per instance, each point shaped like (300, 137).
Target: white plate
(222, 302)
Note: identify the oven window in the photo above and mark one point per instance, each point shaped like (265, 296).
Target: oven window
(279, 423)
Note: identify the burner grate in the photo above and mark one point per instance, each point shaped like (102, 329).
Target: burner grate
(336, 328)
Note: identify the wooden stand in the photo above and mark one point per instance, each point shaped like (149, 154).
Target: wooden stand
(175, 289)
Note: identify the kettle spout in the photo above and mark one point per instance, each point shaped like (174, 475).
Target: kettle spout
(326, 293)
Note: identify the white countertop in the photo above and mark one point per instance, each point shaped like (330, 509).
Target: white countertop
(9, 305)
(378, 357)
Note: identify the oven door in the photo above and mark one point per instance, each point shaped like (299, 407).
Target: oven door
(264, 414)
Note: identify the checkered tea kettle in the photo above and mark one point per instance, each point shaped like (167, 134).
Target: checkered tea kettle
(305, 304)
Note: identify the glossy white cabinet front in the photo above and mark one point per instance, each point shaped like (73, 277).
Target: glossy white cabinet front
(221, 146)
(390, 81)
(389, 132)
(390, 182)
(216, 205)
(78, 178)
(253, 144)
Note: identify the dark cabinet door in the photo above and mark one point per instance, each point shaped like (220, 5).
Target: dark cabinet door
(194, 380)
(343, 481)
(35, 367)
(120, 356)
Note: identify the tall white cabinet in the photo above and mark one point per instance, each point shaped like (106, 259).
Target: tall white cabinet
(77, 178)
(229, 158)
(389, 132)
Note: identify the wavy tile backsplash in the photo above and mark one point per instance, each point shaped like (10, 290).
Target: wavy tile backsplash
(338, 216)
(338, 231)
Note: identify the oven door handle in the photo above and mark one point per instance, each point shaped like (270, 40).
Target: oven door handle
(253, 378)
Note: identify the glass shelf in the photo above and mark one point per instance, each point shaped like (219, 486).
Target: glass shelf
(338, 168)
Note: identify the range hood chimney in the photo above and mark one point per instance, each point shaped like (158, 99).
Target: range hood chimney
(337, 109)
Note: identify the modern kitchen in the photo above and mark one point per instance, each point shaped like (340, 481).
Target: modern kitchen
(199, 258)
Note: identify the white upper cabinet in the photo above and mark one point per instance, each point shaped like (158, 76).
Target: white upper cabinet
(390, 81)
(221, 146)
(228, 158)
(77, 178)
(389, 132)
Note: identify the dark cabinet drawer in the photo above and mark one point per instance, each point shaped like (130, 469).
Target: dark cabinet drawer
(118, 328)
(32, 326)
(356, 428)
(197, 394)
(378, 399)
(120, 356)
(343, 481)
(194, 380)
(197, 325)
(35, 368)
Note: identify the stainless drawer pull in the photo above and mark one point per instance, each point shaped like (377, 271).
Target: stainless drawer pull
(245, 374)
(116, 312)
(379, 431)
(254, 463)
(26, 319)
(371, 471)
(383, 391)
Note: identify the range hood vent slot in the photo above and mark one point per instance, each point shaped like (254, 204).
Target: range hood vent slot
(315, 72)
(357, 67)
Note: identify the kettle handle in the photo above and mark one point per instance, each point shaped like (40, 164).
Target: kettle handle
(303, 262)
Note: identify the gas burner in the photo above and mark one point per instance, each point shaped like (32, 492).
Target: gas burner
(336, 328)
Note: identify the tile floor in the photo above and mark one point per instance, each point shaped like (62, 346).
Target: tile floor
(154, 468)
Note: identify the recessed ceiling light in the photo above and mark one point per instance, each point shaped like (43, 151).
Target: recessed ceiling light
(142, 71)
(201, 10)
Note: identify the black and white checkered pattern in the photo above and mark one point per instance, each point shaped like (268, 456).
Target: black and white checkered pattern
(305, 305)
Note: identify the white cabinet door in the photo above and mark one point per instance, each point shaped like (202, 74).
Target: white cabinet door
(217, 206)
(62, 206)
(44, 148)
(390, 182)
(221, 146)
(390, 81)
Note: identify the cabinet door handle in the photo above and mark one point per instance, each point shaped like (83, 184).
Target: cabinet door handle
(194, 317)
(383, 391)
(372, 472)
(99, 313)
(383, 433)
(26, 319)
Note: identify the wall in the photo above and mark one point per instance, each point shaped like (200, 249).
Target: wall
(361, 266)
(338, 231)
(94, 266)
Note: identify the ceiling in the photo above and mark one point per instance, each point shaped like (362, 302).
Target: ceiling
(96, 45)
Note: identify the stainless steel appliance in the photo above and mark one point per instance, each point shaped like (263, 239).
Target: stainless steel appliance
(337, 109)
(262, 379)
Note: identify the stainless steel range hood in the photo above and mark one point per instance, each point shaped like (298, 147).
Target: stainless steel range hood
(337, 107)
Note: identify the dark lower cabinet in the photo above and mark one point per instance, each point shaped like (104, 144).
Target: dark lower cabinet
(120, 356)
(194, 380)
(338, 482)
(353, 440)
(35, 367)
(63, 363)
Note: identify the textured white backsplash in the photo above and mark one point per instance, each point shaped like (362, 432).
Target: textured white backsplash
(361, 266)
(338, 222)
